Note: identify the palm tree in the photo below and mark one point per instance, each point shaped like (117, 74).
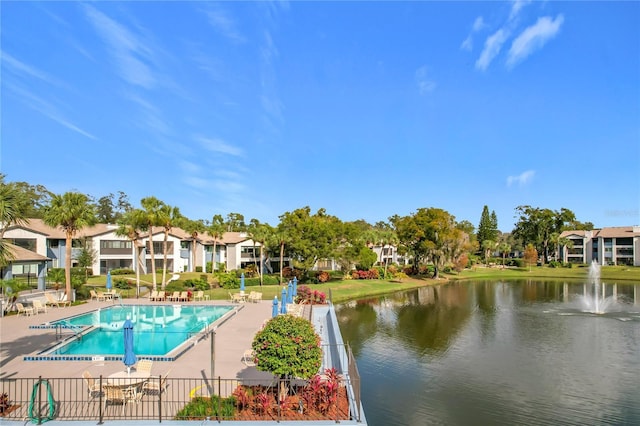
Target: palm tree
(128, 227)
(194, 228)
(167, 217)
(281, 235)
(260, 233)
(488, 246)
(216, 230)
(72, 212)
(504, 248)
(11, 213)
(148, 218)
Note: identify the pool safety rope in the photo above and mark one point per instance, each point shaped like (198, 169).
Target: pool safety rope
(35, 417)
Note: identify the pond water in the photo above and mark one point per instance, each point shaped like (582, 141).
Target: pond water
(498, 353)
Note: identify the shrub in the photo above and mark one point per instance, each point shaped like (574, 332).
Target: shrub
(122, 271)
(196, 283)
(555, 264)
(121, 283)
(517, 262)
(198, 268)
(288, 346)
(305, 294)
(228, 280)
(322, 276)
(175, 286)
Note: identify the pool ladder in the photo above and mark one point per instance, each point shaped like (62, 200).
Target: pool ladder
(75, 329)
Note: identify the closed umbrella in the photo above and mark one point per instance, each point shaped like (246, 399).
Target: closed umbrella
(283, 305)
(295, 286)
(109, 281)
(274, 311)
(242, 283)
(129, 355)
(290, 293)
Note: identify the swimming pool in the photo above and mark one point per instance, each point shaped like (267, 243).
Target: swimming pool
(159, 331)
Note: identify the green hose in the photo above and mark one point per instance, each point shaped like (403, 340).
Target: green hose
(35, 418)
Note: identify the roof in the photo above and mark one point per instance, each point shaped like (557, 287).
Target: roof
(38, 225)
(610, 232)
(20, 254)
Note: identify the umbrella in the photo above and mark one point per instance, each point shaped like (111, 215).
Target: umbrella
(108, 280)
(129, 355)
(283, 307)
(295, 286)
(290, 293)
(274, 311)
(242, 283)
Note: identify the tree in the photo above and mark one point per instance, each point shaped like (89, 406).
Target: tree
(536, 226)
(430, 233)
(71, 212)
(167, 217)
(488, 246)
(86, 257)
(128, 226)
(289, 347)
(488, 226)
(281, 238)
(110, 210)
(12, 212)
(530, 255)
(504, 248)
(147, 219)
(216, 230)
(194, 228)
(260, 233)
(235, 223)
(312, 237)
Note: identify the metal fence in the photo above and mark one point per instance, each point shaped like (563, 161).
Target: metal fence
(41, 399)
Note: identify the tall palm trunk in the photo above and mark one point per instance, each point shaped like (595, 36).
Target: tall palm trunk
(281, 259)
(67, 264)
(153, 259)
(164, 260)
(213, 257)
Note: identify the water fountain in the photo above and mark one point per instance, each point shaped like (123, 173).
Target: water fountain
(595, 301)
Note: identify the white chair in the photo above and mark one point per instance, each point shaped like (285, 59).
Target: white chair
(26, 311)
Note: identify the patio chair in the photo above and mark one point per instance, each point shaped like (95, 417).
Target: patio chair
(255, 296)
(55, 302)
(174, 297)
(93, 294)
(248, 358)
(184, 296)
(199, 295)
(162, 296)
(38, 306)
(93, 385)
(144, 365)
(153, 296)
(118, 395)
(155, 386)
(26, 311)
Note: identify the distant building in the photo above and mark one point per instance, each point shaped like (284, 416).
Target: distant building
(606, 246)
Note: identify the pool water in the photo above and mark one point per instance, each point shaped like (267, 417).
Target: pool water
(157, 329)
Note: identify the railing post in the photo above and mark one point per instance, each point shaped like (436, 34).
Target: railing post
(100, 413)
(39, 399)
(160, 400)
(218, 415)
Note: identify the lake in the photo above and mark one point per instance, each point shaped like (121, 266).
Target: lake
(498, 353)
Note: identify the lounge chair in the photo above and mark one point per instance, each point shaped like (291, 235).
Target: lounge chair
(26, 311)
(249, 358)
(184, 296)
(199, 295)
(38, 306)
(174, 297)
(255, 296)
(155, 386)
(55, 302)
(153, 296)
(92, 384)
(93, 294)
(162, 296)
(235, 297)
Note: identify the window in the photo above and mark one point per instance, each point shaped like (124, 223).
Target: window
(115, 244)
(624, 241)
(25, 243)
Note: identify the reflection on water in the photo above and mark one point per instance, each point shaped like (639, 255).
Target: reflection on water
(497, 353)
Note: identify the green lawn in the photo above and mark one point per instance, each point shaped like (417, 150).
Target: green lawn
(358, 289)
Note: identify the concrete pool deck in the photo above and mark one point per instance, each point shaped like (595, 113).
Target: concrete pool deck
(232, 338)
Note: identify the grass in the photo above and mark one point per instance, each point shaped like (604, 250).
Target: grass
(343, 290)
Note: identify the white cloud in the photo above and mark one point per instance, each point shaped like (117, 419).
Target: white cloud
(533, 38)
(492, 47)
(478, 24)
(126, 49)
(521, 179)
(424, 82)
(20, 68)
(516, 7)
(224, 24)
(467, 44)
(218, 145)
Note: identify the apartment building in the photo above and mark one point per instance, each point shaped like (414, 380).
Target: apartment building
(606, 246)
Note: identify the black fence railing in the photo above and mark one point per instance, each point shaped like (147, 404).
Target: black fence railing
(324, 397)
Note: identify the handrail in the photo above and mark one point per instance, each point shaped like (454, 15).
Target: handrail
(75, 329)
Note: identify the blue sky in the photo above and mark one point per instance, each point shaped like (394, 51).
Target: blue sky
(366, 109)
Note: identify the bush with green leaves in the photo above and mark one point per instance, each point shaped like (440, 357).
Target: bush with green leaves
(288, 346)
(200, 407)
(228, 280)
(196, 283)
(122, 271)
